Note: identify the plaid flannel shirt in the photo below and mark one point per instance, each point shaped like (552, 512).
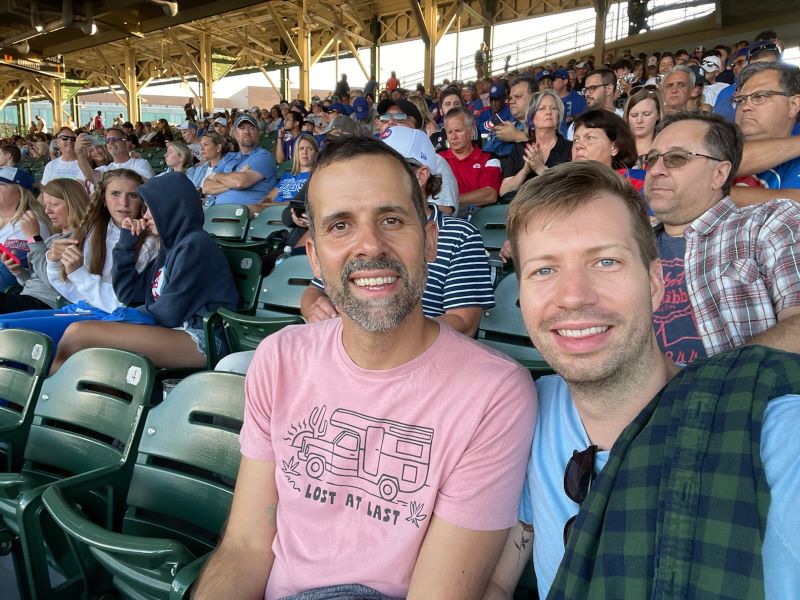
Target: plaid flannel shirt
(742, 269)
(680, 509)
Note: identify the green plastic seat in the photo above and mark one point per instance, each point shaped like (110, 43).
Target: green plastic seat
(87, 421)
(267, 221)
(502, 328)
(179, 496)
(278, 305)
(491, 221)
(227, 222)
(24, 362)
(284, 167)
(246, 270)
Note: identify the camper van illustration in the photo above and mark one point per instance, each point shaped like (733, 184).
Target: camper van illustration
(381, 456)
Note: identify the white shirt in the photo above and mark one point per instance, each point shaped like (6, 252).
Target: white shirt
(710, 92)
(60, 168)
(140, 165)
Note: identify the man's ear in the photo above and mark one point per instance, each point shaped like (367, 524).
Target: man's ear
(794, 106)
(721, 171)
(656, 283)
(431, 241)
(313, 259)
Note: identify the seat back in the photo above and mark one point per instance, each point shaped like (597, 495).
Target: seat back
(282, 289)
(227, 221)
(24, 362)
(89, 413)
(502, 327)
(188, 459)
(491, 221)
(246, 270)
(267, 222)
(284, 167)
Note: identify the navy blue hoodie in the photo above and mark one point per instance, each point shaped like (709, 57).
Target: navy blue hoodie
(190, 276)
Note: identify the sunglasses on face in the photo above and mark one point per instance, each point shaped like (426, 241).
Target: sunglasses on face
(674, 159)
(114, 139)
(67, 138)
(398, 117)
(579, 475)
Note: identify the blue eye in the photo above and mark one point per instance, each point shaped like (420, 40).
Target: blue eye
(607, 262)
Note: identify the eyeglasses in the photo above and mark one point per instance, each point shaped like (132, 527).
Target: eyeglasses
(114, 139)
(649, 87)
(398, 117)
(674, 159)
(579, 475)
(67, 138)
(756, 98)
(591, 89)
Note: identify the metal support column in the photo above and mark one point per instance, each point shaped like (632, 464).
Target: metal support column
(304, 49)
(58, 107)
(601, 12)
(206, 73)
(131, 82)
(286, 91)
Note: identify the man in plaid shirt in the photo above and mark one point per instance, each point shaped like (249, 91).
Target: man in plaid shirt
(732, 273)
(698, 496)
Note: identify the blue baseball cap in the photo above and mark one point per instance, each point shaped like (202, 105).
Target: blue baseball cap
(561, 74)
(497, 91)
(360, 108)
(337, 106)
(244, 117)
(16, 176)
(542, 74)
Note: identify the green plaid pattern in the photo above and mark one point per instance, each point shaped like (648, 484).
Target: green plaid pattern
(680, 509)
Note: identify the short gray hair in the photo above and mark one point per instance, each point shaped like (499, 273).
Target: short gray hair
(536, 100)
(681, 69)
(460, 111)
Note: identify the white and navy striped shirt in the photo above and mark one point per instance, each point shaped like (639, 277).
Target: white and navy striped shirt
(460, 276)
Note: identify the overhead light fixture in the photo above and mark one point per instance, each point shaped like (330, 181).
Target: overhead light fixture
(170, 8)
(36, 19)
(23, 47)
(89, 27)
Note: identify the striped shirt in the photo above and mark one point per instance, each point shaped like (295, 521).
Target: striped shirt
(460, 276)
(742, 269)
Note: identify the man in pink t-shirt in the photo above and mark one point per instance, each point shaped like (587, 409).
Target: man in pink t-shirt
(394, 446)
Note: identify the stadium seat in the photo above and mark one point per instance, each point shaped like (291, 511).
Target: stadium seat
(491, 221)
(266, 223)
(502, 328)
(24, 362)
(278, 306)
(88, 418)
(284, 167)
(246, 270)
(227, 222)
(179, 497)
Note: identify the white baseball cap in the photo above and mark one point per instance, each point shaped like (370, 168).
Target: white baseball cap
(710, 64)
(412, 144)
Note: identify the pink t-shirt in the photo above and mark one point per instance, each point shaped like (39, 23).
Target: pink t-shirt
(363, 458)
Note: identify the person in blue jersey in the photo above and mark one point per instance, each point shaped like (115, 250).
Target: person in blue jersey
(188, 278)
(768, 103)
(497, 113)
(306, 148)
(459, 285)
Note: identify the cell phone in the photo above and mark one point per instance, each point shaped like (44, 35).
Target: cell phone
(497, 120)
(298, 207)
(10, 254)
(98, 140)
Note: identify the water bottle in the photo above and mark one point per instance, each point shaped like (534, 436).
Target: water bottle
(287, 252)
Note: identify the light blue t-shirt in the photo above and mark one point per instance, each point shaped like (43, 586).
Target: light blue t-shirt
(258, 160)
(559, 431)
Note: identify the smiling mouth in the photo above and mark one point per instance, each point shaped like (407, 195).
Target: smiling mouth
(581, 333)
(374, 281)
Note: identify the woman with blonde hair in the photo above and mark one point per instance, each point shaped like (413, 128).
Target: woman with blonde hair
(545, 148)
(65, 203)
(291, 182)
(17, 199)
(428, 123)
(178, 157)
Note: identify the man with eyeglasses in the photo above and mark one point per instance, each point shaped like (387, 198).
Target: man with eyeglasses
(65, 166)
(685, 479)
(767, 104)
(118, 146)
(599, 90)
(732, 274)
